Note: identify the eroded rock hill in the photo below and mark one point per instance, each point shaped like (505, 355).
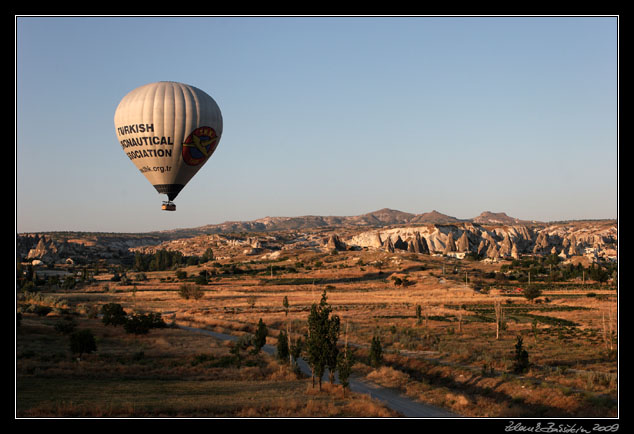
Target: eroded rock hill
(490, 235)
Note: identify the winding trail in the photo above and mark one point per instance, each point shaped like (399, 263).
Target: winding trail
(391, 398)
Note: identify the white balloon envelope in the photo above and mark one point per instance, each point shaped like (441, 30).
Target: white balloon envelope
(169, 130)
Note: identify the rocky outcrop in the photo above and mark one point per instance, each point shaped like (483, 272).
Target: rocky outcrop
(334, 243)
(417, 245)
(54, 249)
(595, 241)
(388, 246)
(506, 246)
(400, 244)
(493, 252)
(450, 245)
(463, 243)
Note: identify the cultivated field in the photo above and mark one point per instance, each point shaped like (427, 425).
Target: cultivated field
(453, 352)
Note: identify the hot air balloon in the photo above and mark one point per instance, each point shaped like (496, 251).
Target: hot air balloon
(169, 130)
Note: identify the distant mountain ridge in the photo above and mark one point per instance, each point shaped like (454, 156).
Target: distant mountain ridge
(377, 219)
(493, 235)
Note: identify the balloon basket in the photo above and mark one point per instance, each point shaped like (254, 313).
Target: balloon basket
(168, 206)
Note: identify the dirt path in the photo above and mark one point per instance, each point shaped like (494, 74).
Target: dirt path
(391, 398)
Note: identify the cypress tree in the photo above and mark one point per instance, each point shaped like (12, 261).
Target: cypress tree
(520, 360)
(323, 333)
(282, 346)
(260, 337)
(376, 352)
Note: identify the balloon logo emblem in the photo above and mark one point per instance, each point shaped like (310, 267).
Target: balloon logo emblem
(199, 145)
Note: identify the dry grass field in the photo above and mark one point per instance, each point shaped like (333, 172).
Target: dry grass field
(451, 355)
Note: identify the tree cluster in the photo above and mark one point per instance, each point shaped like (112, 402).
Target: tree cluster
(82, 342)
(321, 343)
(551, 268)
(167, 260)
(250, 343)
(188, 291)
(113, 314)
(321, 328)
(520, 357)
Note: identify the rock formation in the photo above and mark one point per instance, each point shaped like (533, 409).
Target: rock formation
(388, 246)
(463, 243)
(450, 246)
(506, 246)
(400, 244)
(418, 244)
(334, 243)
(495, 237)
(596, 241)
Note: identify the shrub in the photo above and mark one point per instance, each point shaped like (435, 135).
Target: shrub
(188, 291)
(520, 360)
(376, 352)
(260, 337)
(243, 343)
(296, 349)
(113, 314)
(140, 277)
(208, 255)
(140, 324)
(69, 283)
(201, 280)
(42, 310)
(344, 366)
(155, 320)
(137, 324)
(532, 292)
(82, 342)
(66, 326)
(282, 346)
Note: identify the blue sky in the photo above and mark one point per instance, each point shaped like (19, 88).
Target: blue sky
(324, 116)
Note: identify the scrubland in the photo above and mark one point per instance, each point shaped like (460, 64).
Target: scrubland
(449, 353)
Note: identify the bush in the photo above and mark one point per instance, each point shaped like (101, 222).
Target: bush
(520, 360)
(532, 292)
(345, 360)
(282, 346)
(376, 352)
(243, 343)
(260, 337)
(66, 326)
(188, 291)
(82, 342)
(42, 310)
(202, 280)
(140, 324)
(137, 324)
(69, 283)
(113, 314)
